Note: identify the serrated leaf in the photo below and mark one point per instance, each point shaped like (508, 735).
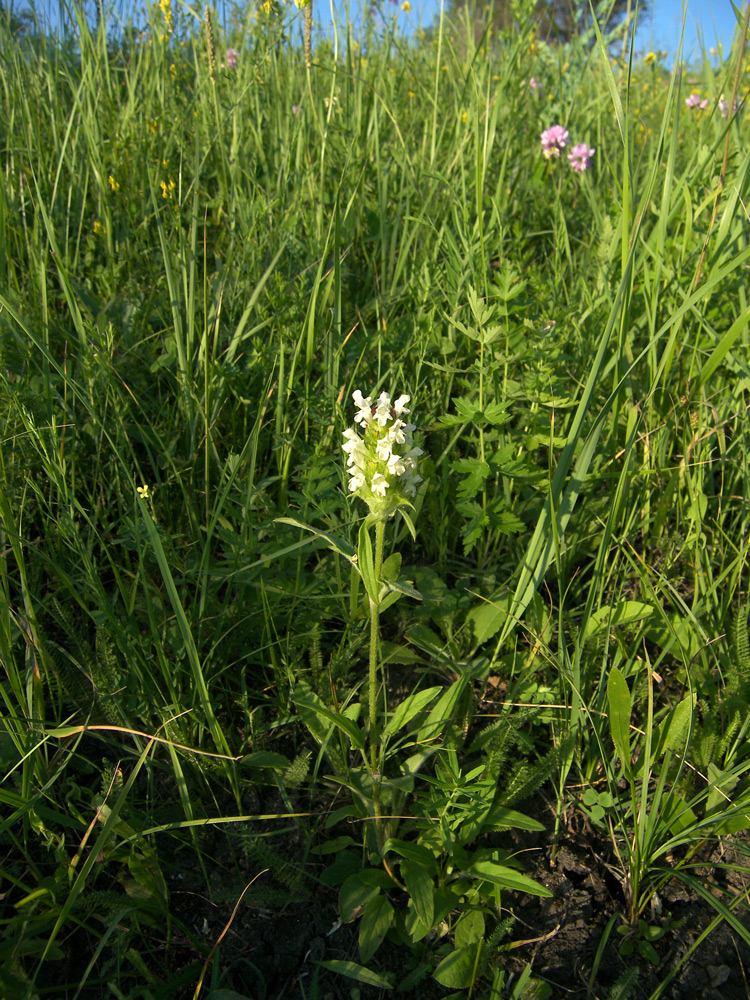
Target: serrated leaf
(486, 619)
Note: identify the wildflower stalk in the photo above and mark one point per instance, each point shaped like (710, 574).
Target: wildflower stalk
(374, 641)
(382, 464)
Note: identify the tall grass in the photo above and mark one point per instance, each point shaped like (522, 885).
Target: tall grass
(196, 270)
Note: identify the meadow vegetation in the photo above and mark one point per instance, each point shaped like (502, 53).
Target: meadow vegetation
(227, 710)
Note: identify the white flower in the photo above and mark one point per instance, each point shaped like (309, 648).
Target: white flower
(383, 411)
(396, 433)
(381, 458)
(400, 405)
(383, 449)
(396, 466)
(379, 484)
(364, 404)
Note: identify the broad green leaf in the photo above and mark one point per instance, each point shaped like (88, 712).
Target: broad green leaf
(313, 711)
(334, 542)
(486, 619)
(458, 970)
(391, 567)
(618, 695)
(353, 894)
(421, 890)
(506, 878)
(377, 917)
(501, 816)
(414, 852)
(408, 708)
(674, 730)
(358, 972)
(265, 758)
(623, 613)
(366, 563)
(469, 929)
(443, 711)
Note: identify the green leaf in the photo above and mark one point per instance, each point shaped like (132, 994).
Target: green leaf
(408, 708)
(334, 542)
(421, 890)
(457, 971)
(358, 972)
(501, 816)
(265, 758)
(377, 917)
(366, 563)
(309, 705)
(391, 567)
(486, 619)
(618, 695)
(444, 709)
(506, 878)
(674, 730)
(353, 894)
(624, 613)
(469, 929)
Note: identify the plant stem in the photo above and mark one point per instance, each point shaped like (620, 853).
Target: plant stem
(374, 635)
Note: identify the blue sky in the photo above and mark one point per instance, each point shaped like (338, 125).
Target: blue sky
(713, 20)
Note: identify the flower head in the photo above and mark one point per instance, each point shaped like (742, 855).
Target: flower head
(232, 55)
(554, 139)
(143, 492)
(694, 101)
(579, 157)
(534, 84)
(382, 462)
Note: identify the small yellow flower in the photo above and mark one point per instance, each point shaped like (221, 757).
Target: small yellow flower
(173, 71)
(649, 58)
(153, 124)
(411, 95)
(144, 492)
(167, 187)
(165, 163)
(406, 6)
(99, 228)
(464, 117)
(113, 184)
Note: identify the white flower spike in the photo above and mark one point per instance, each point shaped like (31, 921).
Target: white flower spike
(383, 464)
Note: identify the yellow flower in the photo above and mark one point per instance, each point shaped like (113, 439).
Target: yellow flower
(99, 228)
(143, 492)
(113, 184)
(464, 117)
(167, 187)
(406, 6)
(173, 71)
(649, 58)
(153, 124)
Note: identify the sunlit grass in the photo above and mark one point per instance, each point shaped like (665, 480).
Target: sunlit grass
(202, 255)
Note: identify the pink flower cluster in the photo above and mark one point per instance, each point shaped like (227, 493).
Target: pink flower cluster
(555, 139)
(694, 101)
(232, 56)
